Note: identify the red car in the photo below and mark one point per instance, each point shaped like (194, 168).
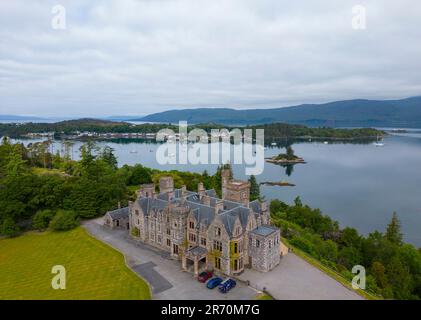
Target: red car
(204, 276)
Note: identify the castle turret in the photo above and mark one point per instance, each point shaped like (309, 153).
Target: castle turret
(166, 184)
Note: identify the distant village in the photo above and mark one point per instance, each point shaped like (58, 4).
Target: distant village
(80, 135)
(88, 134)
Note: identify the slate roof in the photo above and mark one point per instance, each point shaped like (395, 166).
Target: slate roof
(211, 193)
(147, 204)
(205, 214)
(228, 220)
(202, 213)
(119, 213)
(264, 230)
(196, 251)
(256, 206)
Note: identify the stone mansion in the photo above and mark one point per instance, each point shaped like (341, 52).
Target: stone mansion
(202, 230)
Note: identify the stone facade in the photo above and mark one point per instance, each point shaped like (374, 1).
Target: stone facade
(203, 231)
(264, 248)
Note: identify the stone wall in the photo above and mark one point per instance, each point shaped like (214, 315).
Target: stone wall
(264, 251)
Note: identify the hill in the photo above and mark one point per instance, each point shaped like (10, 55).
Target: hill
(348, 113)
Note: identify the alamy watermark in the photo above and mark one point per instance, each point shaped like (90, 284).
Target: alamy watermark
(358, 282)
(59, 280)
(359, 18)
(220, 147)
(58, 22)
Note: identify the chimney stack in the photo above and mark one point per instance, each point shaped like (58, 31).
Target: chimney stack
(201, 190)
(219, 206)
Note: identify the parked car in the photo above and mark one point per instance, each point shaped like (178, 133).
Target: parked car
(227, 285)
(205, 276)
(213, 283)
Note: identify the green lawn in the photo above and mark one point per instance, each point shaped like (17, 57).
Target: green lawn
(93, 269)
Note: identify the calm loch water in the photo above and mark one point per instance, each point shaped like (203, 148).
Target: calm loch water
(360, 185)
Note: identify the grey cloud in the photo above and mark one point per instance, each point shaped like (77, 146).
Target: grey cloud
(139, 57)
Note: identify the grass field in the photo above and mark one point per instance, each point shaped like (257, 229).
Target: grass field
(93, 269)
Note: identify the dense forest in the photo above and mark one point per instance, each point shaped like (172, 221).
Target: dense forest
(40, 190)
(273, 132)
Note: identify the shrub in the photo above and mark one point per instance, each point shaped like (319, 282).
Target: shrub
(9, 228)
(64, 220)
(42, 219)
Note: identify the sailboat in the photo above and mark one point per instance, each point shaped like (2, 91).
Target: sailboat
(378, 143)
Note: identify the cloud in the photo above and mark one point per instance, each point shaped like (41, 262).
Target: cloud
(138, 57)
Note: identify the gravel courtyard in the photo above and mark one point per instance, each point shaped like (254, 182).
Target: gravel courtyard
(294, 278)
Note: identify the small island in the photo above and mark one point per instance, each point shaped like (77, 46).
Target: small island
(288, 158)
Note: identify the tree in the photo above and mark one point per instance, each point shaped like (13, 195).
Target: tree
(349, 257)
(399, 278)
(277, 206)
(254, 188)
(107, 155)
(350, 238)
(379, 272)
(298, 202)
(290, 153)
(139, 175)
(15, 165)
(393, 231)
(64, 220)
(9, 227)
(41, 219)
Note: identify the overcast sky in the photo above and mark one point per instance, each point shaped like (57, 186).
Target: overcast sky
(133, 57)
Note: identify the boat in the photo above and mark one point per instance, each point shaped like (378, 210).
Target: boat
(133, 151)
(326, 142)
(378, 143)
(273, 144)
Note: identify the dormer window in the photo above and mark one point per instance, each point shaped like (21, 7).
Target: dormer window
(217, 231)
(191, 224)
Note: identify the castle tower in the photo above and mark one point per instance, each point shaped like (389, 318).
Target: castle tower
(226, 175)
(166, 184)
(238, 191)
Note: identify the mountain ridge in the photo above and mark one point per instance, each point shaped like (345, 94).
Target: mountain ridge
(346, 113)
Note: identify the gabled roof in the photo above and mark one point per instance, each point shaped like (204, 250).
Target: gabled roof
(119, 213)
(228, 221)
(202, 213)
(147, 204)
